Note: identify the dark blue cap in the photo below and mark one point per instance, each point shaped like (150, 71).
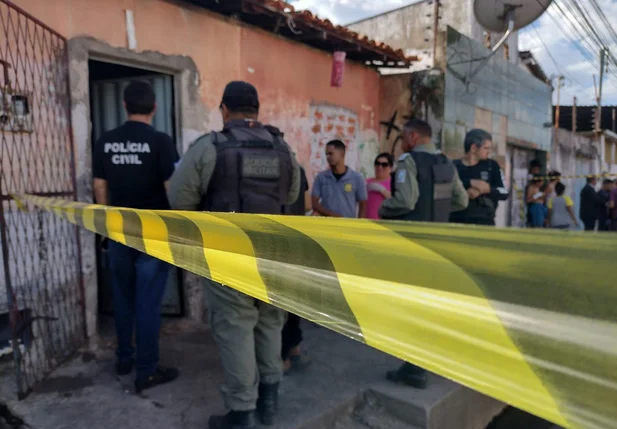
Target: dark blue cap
(240, 95)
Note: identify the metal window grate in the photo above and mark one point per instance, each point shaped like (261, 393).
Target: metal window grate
(40, 269)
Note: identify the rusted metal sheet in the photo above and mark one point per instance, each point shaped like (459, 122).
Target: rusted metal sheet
(42, 289)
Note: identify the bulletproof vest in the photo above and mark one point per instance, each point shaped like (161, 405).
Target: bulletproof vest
(435, 177)
(481, 208)
(251, 176)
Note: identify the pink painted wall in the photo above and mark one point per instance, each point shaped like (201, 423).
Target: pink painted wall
(293, 79)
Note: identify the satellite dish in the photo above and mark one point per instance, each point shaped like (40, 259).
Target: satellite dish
(496, 15)
(505, 16)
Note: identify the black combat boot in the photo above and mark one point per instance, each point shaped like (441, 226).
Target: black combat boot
(410, 375)
(233, 420)
(267, 404)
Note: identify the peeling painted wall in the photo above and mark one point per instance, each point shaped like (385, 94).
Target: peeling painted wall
(204, 51)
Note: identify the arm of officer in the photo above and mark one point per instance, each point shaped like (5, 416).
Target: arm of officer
(190, 181)
(460, 197)
(406, 191)
(498, 191)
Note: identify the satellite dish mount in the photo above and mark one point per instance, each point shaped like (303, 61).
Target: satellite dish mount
(509, 16)
(505, 16)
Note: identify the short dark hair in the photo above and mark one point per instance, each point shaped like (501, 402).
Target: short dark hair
(386, 155)
(476, 137)
(419, 126)
(241, 97)
(607, 182)
(337, 145)
(139, 98)
(591, 179)
(535, 163)
(554, 174)
(560, 188)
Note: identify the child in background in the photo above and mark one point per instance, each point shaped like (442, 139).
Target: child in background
(561, 209)
(535, 199)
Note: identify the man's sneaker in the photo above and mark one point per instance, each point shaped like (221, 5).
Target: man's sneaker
(296, 363)
(409, 375)
(233, 420)
(160, 376)
(124, 367)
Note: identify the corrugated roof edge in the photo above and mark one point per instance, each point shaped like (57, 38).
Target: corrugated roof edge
(308, 17)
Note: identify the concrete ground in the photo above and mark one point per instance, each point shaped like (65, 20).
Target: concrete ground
(343, 388)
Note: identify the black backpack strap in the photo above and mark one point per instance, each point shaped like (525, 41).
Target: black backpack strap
(274, 131)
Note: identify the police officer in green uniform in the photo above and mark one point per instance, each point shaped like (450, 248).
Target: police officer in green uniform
(425, 188)
(246, 168)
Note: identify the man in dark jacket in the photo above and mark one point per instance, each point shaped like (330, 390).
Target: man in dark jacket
(590, 202)
(604, 221)
(482, 178)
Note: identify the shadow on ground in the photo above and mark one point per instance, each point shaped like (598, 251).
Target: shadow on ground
(343, 389)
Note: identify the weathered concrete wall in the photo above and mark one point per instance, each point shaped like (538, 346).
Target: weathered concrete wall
(511, 104)
(411, 28)
(290, 77)
(575, 154)
(204, 51)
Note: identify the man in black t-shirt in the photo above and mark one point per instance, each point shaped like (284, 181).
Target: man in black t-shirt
(132, 165)
(482, 178)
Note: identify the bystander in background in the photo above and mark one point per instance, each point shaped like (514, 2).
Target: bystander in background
(379, 188)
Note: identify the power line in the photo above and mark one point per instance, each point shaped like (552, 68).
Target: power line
(557, 66)
(604, 19)
(588, 38)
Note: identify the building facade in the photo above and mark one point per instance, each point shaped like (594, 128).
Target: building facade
(411, 28)
(502, 98)
(82, 53)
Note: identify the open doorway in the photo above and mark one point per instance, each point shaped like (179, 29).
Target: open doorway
(107, 82)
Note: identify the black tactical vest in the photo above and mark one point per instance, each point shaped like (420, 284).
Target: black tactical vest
(251, 176)
(435, 177)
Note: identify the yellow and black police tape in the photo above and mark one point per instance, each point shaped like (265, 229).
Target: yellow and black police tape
(527, 317)
(574, 176)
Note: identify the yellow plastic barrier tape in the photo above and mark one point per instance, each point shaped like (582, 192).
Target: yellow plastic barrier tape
(579, 176)
(525, 316)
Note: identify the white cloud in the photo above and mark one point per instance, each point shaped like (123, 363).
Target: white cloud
(346, 11)
(570, 61)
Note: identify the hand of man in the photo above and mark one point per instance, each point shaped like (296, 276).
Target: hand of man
(481, 186)
(473, 193)
(375, 187)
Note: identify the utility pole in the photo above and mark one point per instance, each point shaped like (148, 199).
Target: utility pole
(557, 107)
(599, 100)
(435, 29)
(559, 80)
(574, 114)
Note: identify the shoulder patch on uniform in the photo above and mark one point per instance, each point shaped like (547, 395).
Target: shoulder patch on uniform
(401, 175)
(403, 156)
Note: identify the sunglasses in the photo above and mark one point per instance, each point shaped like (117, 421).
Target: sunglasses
(382, 164)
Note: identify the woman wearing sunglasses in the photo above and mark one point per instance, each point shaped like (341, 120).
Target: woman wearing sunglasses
(379, 188)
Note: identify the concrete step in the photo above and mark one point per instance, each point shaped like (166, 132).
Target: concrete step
(443, 405)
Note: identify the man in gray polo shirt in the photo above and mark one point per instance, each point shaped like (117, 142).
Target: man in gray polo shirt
(339, 191)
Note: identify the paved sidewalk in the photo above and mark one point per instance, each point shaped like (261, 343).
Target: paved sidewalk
(343, 388)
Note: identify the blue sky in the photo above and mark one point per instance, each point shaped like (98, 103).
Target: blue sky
(570, 62)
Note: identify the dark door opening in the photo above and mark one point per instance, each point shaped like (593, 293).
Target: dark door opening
(107, 83)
